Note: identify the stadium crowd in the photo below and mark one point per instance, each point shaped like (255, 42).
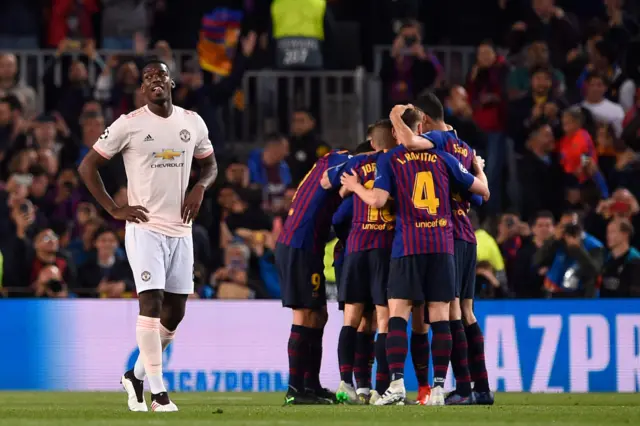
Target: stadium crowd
(552, 102)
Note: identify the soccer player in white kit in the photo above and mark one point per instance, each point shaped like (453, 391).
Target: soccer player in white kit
(158, 143)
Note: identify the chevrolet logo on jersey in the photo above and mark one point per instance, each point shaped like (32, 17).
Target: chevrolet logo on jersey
(168, 154)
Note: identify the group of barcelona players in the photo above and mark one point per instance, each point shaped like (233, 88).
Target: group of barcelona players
(393, 208)
(406, 250)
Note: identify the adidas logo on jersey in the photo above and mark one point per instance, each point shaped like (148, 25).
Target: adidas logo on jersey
(148, 138)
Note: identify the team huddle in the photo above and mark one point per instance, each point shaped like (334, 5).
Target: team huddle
(406, 250)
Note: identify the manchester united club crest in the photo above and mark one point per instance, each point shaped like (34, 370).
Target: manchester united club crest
(185, 136)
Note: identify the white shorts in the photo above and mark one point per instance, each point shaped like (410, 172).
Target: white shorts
(160, 262)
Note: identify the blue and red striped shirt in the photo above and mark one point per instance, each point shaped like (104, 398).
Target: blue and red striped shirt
(460, 203)
(342, 226)
(371, 228)
(419, 183)
(309, 221)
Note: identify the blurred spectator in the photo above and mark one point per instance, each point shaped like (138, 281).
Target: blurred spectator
(528, 280)
(13, 126)
(305, 144)
(45, 280)
(485, 85)
(511, 234)
(71, 20)
(15, 245)
(409, 69)
(621, 89)
(241, 217)
(65, 197)
(81, 245)
(547, 22)
(50, 283)
(231, 280)
(105, 273)
(574, 260)
(19, 22)
(631, 124)
(602, 109)
(539, 103)
(578, 155)
(121, 21)
(621, 271)
(51, 132)
(11, 84)
(622, 25)
(40, 185)
(268, 168)
(537, 56)
(490, 262)
(117, 85)
(69, 96)
(459, 115)
(540, 160)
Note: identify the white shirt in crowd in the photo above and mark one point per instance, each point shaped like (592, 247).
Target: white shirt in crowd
(157, 154)
(607, 112)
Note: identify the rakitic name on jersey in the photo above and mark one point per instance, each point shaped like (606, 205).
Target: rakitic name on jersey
(419, 156)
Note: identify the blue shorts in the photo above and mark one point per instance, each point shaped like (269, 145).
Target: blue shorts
(301, 274)
(422, 278)
(465, 258)
(365, 277)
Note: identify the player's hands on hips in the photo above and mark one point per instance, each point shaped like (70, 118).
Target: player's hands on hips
(192, 203)
(349, 180)
(135, 214)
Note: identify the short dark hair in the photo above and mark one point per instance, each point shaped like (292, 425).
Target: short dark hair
(595, 74)
(274, 137)
(155, 61)
(412, 117)
(626, 227)
(387, 141)
(304, 111)
(541, 68)
(543, 214)
(104, 230)
(37, 170)
(573, 230)
(370, 128)
(13, 101)
(431, 106)
(363, 147)
(537, 125)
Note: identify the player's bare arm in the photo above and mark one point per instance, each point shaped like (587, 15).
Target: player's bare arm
(404, 134)
(193, 201)
(88, 171)
(375, 197)
(325, 183)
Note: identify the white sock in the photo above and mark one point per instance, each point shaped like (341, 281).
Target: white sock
(166, 337)
(148, 338)
(363, 391)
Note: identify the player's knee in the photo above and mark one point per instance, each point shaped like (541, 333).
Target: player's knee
(467, 312)
(382, 319)
(454, 310)
(150, 303)
(320, 318)
(417, 320)
(304, 317)
(438, 311)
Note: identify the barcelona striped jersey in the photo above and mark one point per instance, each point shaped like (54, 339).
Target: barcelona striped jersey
(309, 221)
(341, 227)
(419, 182)
(460, 202)
(371, 228)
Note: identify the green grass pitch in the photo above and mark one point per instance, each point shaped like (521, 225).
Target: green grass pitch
(234, 409)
